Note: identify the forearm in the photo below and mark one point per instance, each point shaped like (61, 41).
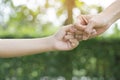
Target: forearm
(112, 13)
(21, 47)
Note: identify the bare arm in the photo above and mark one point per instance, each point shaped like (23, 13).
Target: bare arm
(22, 47)
(102, 21)
(112, 13)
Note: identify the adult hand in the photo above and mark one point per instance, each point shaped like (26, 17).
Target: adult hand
(92, 25)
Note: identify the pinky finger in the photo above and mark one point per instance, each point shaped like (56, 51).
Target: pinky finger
(74, 42)
(93, 34)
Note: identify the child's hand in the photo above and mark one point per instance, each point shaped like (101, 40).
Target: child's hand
(63, 40)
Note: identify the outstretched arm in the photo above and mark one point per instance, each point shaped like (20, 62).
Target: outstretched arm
(105, 18)
(21, 47)
(112, 13)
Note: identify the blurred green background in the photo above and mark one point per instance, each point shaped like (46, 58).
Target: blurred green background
(95, 59)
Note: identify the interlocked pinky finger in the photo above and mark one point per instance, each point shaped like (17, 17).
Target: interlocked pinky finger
(78, 37)
(74, 42)
(93, 34)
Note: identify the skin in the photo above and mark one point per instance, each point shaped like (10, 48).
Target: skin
(82, 24)
(66, 38)
(100, 22)
(21, 47)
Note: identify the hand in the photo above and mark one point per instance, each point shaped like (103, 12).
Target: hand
(92, 25)
(65, 40)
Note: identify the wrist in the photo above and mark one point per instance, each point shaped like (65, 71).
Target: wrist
(108, 18)
(51, 41)
(112, 13)
(46, 44)
(55, 43)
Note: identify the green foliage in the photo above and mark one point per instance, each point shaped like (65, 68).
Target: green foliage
(98, 58)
